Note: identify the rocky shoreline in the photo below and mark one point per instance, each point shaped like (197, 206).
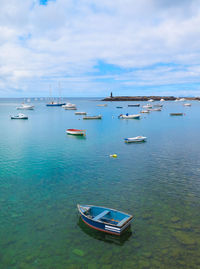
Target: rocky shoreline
(147, 98)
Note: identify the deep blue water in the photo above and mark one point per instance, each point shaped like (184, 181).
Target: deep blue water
(44, 173)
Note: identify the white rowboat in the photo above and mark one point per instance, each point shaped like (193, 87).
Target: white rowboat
(127, 116)
(135, 139)
(75, 132)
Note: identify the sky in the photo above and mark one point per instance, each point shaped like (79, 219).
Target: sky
(93, 47)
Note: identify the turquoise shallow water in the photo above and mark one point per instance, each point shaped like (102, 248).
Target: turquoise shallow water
(44, 173)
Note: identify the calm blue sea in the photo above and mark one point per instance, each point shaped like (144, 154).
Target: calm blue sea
(44, 173)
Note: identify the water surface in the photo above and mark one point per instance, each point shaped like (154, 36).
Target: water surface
(44, 174)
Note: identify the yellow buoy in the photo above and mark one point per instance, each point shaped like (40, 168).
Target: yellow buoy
(113, 155)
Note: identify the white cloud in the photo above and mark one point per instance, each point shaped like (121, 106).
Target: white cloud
(65, 39)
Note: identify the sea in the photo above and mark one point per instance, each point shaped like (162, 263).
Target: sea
(45, 173)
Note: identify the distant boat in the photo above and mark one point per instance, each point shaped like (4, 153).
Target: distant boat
(147, 106)
(162, 100)
(99, 117)
(135, 139)
(119, 106)
(145, 111)
(53, 103)
(105, 219)
(129, 116)
(75, 132)
(150, 100)
(20, 116)
(155, 109)
(158, 105)
(102, 105)
(176, 114)
(69, 106)
(182, 99)
(187, 104)
(134, 105)
(25, 106)
(80, 113)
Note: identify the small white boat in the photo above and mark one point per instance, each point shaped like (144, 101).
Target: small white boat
(26, 106)
(182, 99)
(158, 105)
(150, 100)
(20, 116)
(69, 106)
(162, 100)
(80, 113)
(187, 104)
(131, 116)
(75, 132)
(155, 109)
(145, 111)
(135, 139)
(102, 105)
(147, 106)
(99, 117)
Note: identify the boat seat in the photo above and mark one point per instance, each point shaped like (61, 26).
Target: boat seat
(101, 215)
(122, 221)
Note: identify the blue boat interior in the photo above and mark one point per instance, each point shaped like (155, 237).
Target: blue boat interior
(107, 215)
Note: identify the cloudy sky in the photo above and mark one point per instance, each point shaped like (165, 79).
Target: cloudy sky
(93, 47)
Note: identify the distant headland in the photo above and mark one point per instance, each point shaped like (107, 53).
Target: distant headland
(146, 98)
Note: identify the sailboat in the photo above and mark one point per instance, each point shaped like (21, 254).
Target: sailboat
(55, 103)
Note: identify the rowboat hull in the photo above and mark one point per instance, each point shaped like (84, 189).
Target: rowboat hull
(25, 108)
(105, 227)
(92, 118)
(75, 132)
(135, 139)
(19, 118)
(80, 113)
(134, 105)
(56, 104)
(130, 116)
(176, 114)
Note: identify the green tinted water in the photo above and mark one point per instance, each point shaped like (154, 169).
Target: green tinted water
(44, 173)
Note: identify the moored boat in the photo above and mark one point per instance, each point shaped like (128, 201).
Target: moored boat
(69, 106)
(55, 104)
(129, 116)
(176, 114)
(75, 132)
(80, 113)
(26, 106)
(102, 105)
(187, 104)
(158, 105)
(162, 100)
(135, 139)
(147, 106)
(155, 109)
(105, 219)
(134, 105)
(145, 111)
(99, 117)
(20, 116)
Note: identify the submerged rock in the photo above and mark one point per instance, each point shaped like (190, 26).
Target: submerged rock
(147, 254)
(175, 219)
(144, 264)
(184, 238)
(78, 252)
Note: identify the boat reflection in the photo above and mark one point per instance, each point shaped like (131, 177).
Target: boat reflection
(108, 238)
(77, 137)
